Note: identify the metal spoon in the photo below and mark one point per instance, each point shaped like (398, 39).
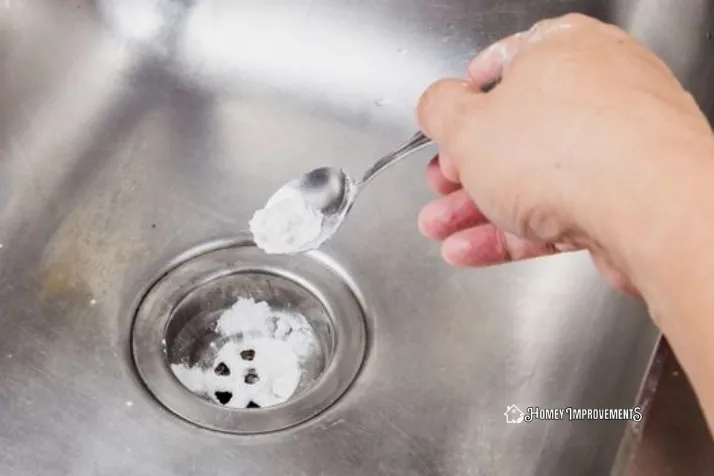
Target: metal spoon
(333, 192)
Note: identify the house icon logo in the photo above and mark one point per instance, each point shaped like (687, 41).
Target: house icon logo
(513, 414)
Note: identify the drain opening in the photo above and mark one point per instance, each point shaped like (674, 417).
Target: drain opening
(223, 397)
(251, 377)
(234, 350)
(241, 330)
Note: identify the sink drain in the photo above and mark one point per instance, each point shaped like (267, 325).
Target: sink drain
(235, 340)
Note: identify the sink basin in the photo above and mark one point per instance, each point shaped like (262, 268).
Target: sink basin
(137, 135)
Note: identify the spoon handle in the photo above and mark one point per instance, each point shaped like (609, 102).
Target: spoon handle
(417, 142)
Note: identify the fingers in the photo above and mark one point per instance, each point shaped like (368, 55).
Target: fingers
(448, 215)
(437, 179)
(489, 65)
(448, 167)
(487, 245)
(447, 100)
(444, 106)
(469, 239)
(456, 115)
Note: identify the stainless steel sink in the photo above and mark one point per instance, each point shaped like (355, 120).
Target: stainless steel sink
(134, 134)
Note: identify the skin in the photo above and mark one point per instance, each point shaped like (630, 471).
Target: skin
(588, 142)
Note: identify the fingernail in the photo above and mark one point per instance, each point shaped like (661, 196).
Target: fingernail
(499, 48)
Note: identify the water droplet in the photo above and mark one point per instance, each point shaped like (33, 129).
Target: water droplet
(382, 102)
(92, 302)
(129, 403)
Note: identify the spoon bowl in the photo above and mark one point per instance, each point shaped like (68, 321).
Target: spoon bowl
(329, 193)
(326, 189)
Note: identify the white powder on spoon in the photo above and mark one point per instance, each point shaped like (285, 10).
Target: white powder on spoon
(286, 224)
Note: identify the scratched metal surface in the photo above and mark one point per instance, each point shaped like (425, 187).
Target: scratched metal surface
(133, 130)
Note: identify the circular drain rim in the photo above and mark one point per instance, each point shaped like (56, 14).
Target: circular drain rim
(312, 271)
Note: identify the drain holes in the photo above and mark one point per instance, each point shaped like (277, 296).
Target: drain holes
(251, 377)
(223, 397)
(248, 354)
(222, 370)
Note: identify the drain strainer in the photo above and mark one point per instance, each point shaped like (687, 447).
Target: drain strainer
(235, 340)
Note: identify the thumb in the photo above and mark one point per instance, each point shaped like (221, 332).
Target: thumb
(446, 107)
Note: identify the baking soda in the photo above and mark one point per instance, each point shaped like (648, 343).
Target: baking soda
(246, 317)
(261, 361)
(287, 223)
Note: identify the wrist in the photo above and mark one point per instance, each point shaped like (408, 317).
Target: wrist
(663, 225)
(665, 250)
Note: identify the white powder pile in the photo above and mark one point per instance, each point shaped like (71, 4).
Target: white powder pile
(286, 224)
(246, 316)
(261, 361)
(254, 319)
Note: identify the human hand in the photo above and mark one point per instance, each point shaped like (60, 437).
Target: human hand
(560, 154)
